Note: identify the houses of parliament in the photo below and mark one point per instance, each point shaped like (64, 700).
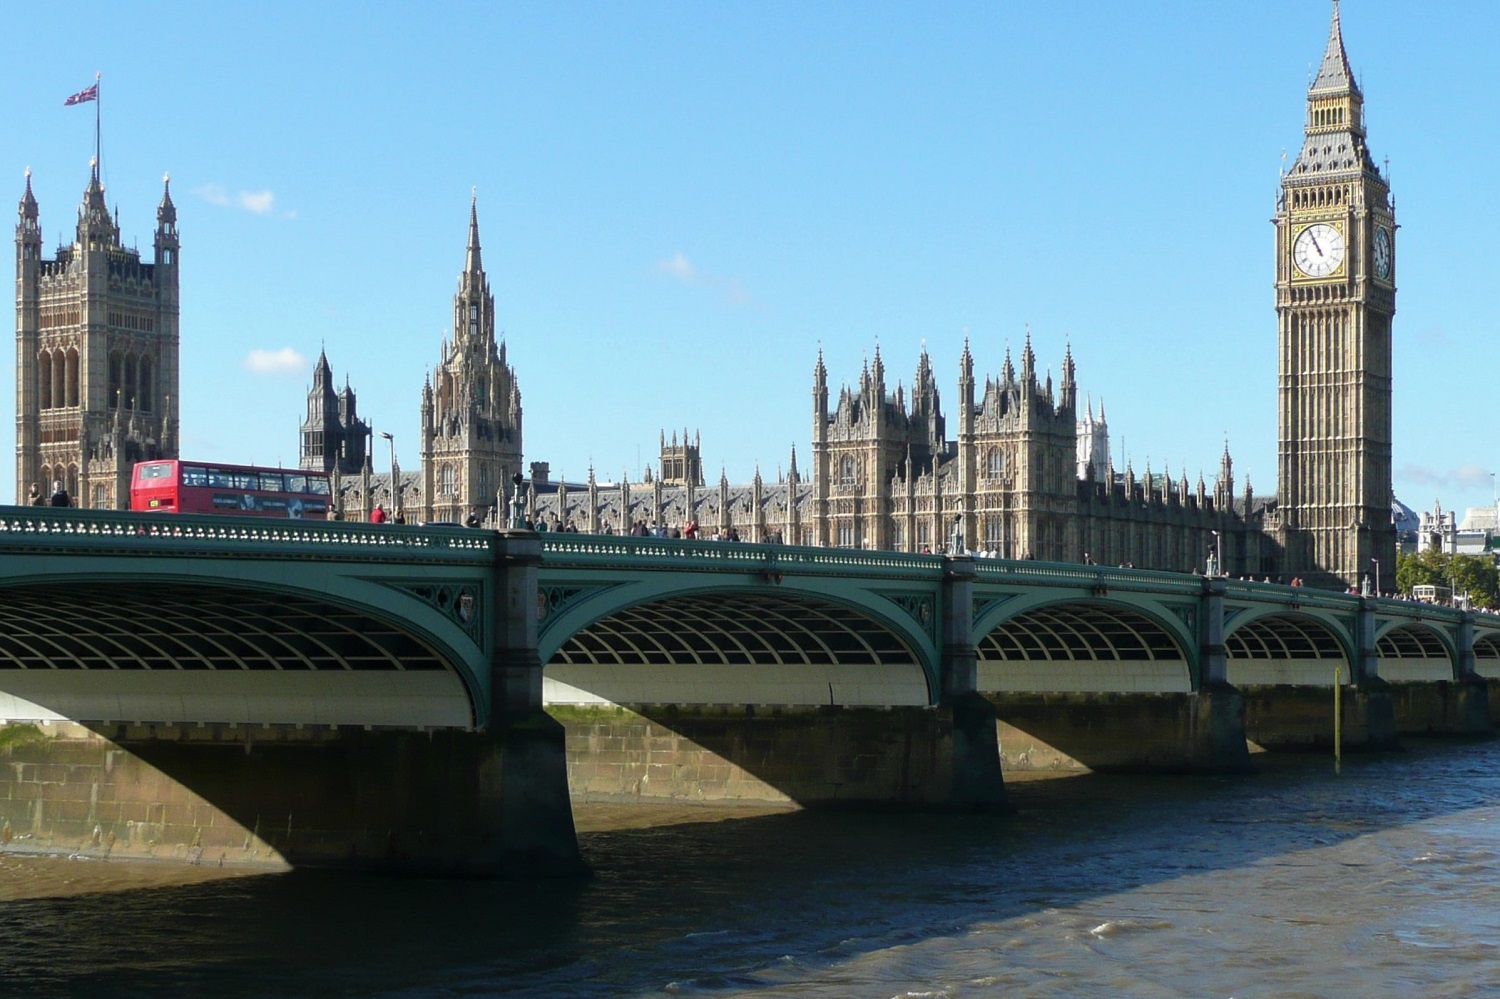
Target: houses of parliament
(1020, 467)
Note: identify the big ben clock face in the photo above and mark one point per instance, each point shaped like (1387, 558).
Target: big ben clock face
(1319, 250)
(1383, 254)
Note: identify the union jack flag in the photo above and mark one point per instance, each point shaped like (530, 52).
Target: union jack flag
(87, 94)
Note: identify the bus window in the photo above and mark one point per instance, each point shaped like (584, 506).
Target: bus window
(194, 475)
(319, 486)
(296, 483)
(244, 480)
(218, 478)
(271, 482)
(152, 470)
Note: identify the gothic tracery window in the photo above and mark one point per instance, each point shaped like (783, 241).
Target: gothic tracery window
(116, 364)
(44, 379)
(127, 386)
(145, 398)
(846, 471)
(71, 377)
(994, 463)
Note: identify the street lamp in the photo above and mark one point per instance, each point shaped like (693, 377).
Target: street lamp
(1218, 553)
(395, 486)
(1376, 563)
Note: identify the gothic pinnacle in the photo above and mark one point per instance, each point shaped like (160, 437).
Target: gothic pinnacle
(473, 264)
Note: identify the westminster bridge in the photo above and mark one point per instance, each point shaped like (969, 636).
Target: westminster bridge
(431, 699)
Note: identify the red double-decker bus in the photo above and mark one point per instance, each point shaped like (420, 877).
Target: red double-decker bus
(197, 487)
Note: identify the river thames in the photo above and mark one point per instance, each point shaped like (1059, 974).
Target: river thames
(1384, 881)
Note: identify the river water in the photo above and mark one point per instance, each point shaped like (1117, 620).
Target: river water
(1384, 881)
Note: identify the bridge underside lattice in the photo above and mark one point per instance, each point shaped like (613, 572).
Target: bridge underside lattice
(1081, 647)
(171, 652)
(1284, 649)
(741, 648)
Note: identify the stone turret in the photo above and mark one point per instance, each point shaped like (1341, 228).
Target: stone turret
(471, 416)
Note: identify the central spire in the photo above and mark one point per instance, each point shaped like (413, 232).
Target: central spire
(472, 263)
(1334, 74)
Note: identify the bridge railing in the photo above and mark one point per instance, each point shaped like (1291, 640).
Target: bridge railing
(671, 553)
(1292, 596)
(25, 528)
(1094, 577)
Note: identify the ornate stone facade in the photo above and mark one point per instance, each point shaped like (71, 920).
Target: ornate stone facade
(334, 438)
(471, 406)
(96, 353)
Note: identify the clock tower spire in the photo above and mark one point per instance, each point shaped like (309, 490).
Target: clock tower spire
(1335, 296)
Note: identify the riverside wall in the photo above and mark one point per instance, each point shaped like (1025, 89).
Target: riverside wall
(901, 757)
(438, 803)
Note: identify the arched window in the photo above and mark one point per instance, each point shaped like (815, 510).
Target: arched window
(72, 376)
(115, 363)
(128, 385)
(994, 535)
(846, 471)
(994, 463)
(59, 379)
(44, 379)
(447, 480)
(72, 483)
(146, 399)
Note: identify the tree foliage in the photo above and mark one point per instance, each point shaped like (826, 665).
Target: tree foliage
(1471, 574)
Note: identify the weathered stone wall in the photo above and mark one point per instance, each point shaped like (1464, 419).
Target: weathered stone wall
(1447, 707)
(1288, 717)
(445, 802)
(813, 756)
(66, 789)
(1156, 732)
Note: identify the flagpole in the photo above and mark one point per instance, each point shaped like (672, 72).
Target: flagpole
(96, 121)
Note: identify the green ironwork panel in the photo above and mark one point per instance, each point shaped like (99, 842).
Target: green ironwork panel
(461, 601)
(922, 607)
(986, 607)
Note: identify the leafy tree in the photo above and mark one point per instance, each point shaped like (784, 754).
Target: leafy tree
(1472, 574)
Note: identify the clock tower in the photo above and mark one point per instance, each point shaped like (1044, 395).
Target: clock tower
(1335, 296)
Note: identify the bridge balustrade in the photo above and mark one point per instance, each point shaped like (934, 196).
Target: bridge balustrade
(594, 549)
(1084, 576)
(26, 528)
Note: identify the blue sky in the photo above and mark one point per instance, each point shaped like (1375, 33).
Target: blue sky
(681, 202)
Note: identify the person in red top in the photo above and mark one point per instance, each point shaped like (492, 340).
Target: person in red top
(377, 515)
(691, 530)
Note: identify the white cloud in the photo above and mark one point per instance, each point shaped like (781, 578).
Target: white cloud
(680, 268)
(275, 362)
(212, 193)
(1464, 476)
(258, 202)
